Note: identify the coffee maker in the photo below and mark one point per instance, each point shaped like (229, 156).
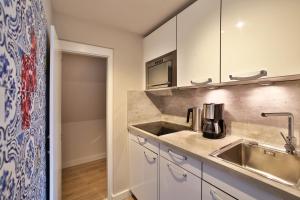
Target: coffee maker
(213, 125)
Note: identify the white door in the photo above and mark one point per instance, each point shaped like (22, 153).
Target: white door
(198, 43)
(177, 183)
(260, 35)
(143, 172)
(210, 192)
(55, 117)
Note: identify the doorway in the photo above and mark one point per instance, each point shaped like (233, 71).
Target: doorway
(57, 49)
(83, 131)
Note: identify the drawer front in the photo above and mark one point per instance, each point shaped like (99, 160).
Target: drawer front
(237, 186)
(177, 183)
(210, 192)
(190, 164)
(145, 142)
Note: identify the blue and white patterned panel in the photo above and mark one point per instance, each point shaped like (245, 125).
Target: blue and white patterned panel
(23, 49)
(2, 105)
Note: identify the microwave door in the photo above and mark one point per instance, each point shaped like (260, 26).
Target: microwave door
(159, 75)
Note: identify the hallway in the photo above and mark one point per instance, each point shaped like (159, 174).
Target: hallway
(85, 182)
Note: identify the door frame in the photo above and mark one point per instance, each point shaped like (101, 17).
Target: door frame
(97, 51)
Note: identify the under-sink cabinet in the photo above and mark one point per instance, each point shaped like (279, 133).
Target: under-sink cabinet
(209, 192)
(238, 187)
(143, 170)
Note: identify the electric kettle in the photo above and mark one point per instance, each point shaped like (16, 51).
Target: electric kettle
(196, 118)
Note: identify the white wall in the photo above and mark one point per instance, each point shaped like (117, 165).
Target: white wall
(83, 109)
(83, 142)
(127, 75)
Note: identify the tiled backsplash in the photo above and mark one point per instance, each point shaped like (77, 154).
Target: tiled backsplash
(140, 108)
(243, 107)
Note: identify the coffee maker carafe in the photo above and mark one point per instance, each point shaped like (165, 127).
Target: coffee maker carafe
(213, 125)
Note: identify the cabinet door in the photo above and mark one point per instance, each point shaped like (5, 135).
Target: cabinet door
(210, 192)
(143, 172)
(260, 35)
(161, 41)
(178, 184)
(198, 43)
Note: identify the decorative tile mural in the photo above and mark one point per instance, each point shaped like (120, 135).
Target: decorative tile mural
(22, 100)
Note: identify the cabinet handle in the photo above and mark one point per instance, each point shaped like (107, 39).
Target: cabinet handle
(148, 157)
(183, 174)
(209, 80)
(177, 155)
(261, 73)
(141, 140)
(214, 195)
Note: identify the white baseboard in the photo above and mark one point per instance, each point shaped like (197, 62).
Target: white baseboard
(87, 159)
(121, 195)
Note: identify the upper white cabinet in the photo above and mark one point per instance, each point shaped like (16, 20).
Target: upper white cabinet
(260, 35)
(198, 43)
(161, 41)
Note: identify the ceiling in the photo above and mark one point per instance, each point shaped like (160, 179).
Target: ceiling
(138, 16)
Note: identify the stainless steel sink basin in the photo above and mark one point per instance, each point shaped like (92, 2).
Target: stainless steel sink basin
(264, 160)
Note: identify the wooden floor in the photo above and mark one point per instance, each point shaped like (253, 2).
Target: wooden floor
(85, 182)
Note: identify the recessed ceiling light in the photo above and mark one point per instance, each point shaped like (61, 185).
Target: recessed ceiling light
(240, 24)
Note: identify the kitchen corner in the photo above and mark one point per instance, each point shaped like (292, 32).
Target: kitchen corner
(243, 119)
(233, 79)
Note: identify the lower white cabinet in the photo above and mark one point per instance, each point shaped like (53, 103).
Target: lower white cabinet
(143, 172)
(210, 192)
(176, 176)
(181, 159)
(238, 186)
(177, 183)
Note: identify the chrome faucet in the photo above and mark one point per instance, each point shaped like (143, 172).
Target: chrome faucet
(290, 140)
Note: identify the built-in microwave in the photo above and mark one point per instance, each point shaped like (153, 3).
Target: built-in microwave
(162, 71)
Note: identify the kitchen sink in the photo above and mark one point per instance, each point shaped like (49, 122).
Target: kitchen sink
(264, 160)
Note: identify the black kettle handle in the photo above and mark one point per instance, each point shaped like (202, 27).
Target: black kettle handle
(190, 110)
